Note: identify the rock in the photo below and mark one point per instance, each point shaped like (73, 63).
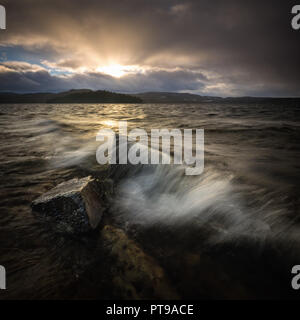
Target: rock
(135, 274)
(75, 206)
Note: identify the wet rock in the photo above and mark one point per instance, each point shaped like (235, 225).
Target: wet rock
(75, 206)
(135, 274)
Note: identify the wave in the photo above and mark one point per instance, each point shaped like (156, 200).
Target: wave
(164, 195)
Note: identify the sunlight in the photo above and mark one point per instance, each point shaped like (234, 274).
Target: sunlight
(110, 123)
(114, 70)
(117, 70)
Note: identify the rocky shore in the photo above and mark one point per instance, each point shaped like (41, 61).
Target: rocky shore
(80, 208)
(108, 257)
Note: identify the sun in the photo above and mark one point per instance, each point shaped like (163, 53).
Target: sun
(118, 71)
(114, 70)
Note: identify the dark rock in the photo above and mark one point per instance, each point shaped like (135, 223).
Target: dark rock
(135, 274)
(75, 206)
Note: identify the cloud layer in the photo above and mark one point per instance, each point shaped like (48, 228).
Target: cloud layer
(208, 47)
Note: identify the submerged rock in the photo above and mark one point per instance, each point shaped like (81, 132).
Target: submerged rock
(135, 274)
(75, 206)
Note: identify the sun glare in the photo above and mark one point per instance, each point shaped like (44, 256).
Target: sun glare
(109, 123)
(117, 70)
(114, 70)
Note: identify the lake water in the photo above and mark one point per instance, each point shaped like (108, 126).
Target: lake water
(248, 196)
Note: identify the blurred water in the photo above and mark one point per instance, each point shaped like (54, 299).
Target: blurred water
(249, 188)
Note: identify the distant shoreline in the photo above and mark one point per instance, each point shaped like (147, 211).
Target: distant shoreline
(72, 96)
(86, 96)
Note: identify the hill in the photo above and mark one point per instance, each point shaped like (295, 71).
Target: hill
(172, 97)
(72, 96)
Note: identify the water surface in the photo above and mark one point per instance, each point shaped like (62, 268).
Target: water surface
(248, 195)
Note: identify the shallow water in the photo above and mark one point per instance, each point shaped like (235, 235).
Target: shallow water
(248, 194)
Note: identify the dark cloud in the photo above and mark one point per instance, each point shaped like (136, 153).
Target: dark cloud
(23, 77)
(228, 47)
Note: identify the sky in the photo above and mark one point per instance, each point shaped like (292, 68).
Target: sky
(219, 48)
